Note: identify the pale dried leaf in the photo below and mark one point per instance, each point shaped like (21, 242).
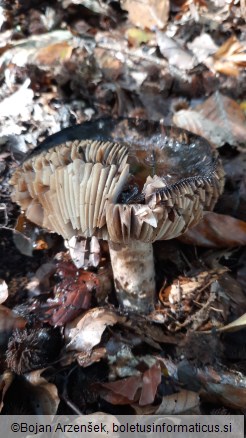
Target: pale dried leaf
(179, 403)
(45, 395)
(18, 103)
(174, 53)
(147, 13)
(202, 46)
(3, 291)
(219, 119)
(83, 333)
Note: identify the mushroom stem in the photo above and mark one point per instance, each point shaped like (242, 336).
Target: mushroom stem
(134, 275)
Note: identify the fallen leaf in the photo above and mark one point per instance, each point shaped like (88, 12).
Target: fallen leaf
(151, 381)
(174, 53)
(202, 46)
(44, 395)
(18, 103)
(3, 291)
(141, 388)
(230, 57)
(216, 231)
(183, 402)
(87, 359)
(228, 395)
(147, 13)
(126, 388)
(53, 54)
(85, 332)
(219, 119)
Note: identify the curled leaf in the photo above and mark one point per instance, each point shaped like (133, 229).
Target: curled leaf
(85, 332)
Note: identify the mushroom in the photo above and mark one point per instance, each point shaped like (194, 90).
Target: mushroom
(128, 181)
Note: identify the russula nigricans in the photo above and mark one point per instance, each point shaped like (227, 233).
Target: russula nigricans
(128, 181)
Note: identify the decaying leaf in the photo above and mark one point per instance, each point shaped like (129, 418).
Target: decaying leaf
(219, 119)
(232, 396)
(147, 13)
(217, 231)
(53, 54)
(44, 394)
(86, 331)
(24, 51)
(174, 53)
(230, 57)
(140, 389)
(183, 402)
(151, 381)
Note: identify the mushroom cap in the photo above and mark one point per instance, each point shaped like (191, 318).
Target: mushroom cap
(119, 180)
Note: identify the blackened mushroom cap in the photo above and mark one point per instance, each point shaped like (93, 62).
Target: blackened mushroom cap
(119, 179)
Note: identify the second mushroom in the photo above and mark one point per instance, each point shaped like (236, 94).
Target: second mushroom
(128, 181)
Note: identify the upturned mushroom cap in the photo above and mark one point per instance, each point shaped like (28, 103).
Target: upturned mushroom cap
(121, 180)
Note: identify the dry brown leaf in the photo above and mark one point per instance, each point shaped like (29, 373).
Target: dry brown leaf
(147, 13)
(216, 231)
(53, 54)
(228, 395)
(122, 391)
(140, 388)
(180, 403)
(230, 57)
(151, 381)
(83, 333)
(24, 51)
(44, 395)
(219, 119)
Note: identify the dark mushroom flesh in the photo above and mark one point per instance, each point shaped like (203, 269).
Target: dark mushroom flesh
(128, 181)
